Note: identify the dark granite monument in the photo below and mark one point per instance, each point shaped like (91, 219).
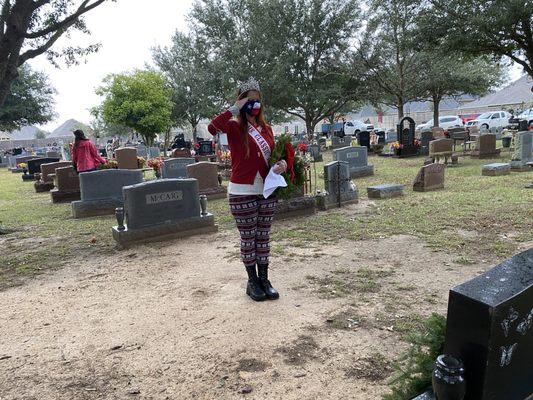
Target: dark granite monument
(406, 138)
(490, 328)
(34, 167)
(67, 185)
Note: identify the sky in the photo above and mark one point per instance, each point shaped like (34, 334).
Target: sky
(127, 30)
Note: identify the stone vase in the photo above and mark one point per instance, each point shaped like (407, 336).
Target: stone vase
(203, 205)
(119, 214)
(448, 378)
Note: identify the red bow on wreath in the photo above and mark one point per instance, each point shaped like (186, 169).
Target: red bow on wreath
(289, 151)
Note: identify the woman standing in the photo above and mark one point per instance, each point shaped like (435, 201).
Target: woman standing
(84, 153)
(251, 142)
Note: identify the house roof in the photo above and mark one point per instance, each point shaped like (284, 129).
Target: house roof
(518, 92)
(66, 129)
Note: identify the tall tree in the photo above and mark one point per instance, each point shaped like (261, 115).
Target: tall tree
(29, 28)
(139, 100)
(31, 101)
(448, 74)
(388, 54)
(298, 49)
(193, 79)
(502, 28)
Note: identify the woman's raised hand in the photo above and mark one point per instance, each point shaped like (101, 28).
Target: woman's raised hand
(240, 103)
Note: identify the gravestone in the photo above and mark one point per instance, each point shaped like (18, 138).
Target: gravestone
(3, 161)
(357, 159)
(174, 168)
(364, 139)
(314, 151)
(385, 191)
(496, 169)
(206, 173)
(160, 210)
(34, 167)
(485, 147)
(11, 162)
(392, 136)
(425, 138)
(46, 180)
(154, 152)
(53, 154)
(490, 328)
(523, 154)
(206, 148)
(337, 142)
(181, 153)
(67, 185)
(142, 151)
(430, 177)
(22, 160)
(127, 158)
(339, 189)
(406, 138)
(101, 191)
(440, 148)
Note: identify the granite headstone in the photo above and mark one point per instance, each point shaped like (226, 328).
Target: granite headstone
(357, 159)
(430, 177)
(490, 328)
(176, 167)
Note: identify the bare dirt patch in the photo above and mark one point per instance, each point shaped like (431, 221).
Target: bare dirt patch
(171, 320)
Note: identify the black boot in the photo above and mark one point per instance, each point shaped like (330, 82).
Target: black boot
(271, 293)
(253, 288)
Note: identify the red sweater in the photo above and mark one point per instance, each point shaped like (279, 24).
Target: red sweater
(85, 156)
(243, 169)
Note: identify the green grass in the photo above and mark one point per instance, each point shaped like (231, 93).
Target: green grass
(496, 212)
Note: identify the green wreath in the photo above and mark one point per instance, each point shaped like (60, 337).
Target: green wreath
(284, 142)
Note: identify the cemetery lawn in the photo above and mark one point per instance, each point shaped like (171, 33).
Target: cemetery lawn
(82, 319)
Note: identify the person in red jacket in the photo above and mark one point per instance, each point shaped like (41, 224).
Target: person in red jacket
(251, 142)
(84, 153)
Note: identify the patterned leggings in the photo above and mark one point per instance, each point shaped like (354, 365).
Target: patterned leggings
(253, 216)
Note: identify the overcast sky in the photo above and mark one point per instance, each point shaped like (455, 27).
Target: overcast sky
(127, 29)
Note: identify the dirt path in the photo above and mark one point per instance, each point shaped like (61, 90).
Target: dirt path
(171, 321)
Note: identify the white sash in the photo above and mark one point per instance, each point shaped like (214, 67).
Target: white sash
(261, 143)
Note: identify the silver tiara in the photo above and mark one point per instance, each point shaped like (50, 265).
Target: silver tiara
(252, 84)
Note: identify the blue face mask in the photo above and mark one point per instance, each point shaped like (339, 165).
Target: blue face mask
(252, 107)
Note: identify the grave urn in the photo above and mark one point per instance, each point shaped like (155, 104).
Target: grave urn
(119, 214)
(448, 378)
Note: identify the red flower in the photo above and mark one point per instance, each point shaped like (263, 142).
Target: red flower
(302, 147)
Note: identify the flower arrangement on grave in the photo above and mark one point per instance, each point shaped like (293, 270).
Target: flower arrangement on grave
(418, 143)
(397, 145)
(141, 162)
(295, 174)
(22, 165)
(302, 147)
(224, 156)
(109, 164)
(155, 163)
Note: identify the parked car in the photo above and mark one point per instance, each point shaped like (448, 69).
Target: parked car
(356, 126)
(527, 115)
(445, 122)
(492, 119)
(347, 128)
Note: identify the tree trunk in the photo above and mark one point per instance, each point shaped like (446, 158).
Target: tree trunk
(310, 129)
(194, 133)
(436, 104)
(166, 142)
(400, 109)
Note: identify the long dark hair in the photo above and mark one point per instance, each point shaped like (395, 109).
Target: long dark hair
(243, 121)
(78, 133)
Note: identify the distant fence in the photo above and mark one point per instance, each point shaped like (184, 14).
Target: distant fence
(13, 144)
